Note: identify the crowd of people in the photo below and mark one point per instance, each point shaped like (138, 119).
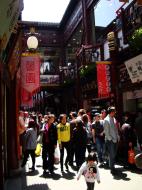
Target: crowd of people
(79, 135)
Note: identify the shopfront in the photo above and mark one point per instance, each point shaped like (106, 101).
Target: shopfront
(130, 84)
(132, 100)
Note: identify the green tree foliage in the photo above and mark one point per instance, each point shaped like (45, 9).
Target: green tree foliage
(135, 40)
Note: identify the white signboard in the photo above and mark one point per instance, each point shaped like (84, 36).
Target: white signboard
(134, 68)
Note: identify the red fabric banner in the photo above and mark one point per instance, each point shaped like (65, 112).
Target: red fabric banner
(30, 73)
(26, 98)
(103, 79)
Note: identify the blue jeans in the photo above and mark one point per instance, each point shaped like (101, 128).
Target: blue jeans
(100, 144)
(112, 151)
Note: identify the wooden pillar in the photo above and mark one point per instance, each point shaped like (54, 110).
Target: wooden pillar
(12, 153)
(115, 94)
(1, 144)
(84, 20)
(88, 24)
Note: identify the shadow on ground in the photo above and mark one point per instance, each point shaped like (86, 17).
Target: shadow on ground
(32, 173)
(69, 175)
(121, 176)
(37, 187)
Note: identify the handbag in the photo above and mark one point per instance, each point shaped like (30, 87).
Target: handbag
(38, 149)
(131, 156)
(56, 156)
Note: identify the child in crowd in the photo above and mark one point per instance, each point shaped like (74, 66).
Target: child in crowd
(90, 171)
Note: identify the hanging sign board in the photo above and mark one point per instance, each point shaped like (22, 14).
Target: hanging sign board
(103, 78)
(30, 73)
(134, 68)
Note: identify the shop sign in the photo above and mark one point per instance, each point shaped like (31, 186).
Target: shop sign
(103, 79)
(134, 68)
(123, 74)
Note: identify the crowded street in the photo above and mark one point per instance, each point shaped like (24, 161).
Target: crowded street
(71, 95)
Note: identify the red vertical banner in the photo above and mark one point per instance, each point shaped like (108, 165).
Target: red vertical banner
(30, 78)
(103, 79)
(30, 73)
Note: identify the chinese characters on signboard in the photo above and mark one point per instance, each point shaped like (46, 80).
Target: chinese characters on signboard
(30, 73)
(30, 78)
(134, 68)
(123, 74)
(103, 79)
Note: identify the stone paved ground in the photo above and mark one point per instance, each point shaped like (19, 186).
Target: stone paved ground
(26, 180)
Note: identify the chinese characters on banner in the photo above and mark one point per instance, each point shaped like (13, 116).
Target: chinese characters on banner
(103, 79)
(134, 68)
(30, 77)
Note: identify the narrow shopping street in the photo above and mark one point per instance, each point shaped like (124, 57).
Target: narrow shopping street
(27, 180)
(70, 75)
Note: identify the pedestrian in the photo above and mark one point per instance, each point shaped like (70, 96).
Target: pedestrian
(88, 128)
(90, 171)
(49, 143)
(73, 116)
(80, 113)
(99, 137)
(128, 140)
(111, 137)
(80, 142)
(30, 144)
(103, 114)
(63, 132)
(21, 132)
(138, 128)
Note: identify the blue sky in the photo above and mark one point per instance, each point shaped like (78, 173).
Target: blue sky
(105, 11)
(53, 10)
